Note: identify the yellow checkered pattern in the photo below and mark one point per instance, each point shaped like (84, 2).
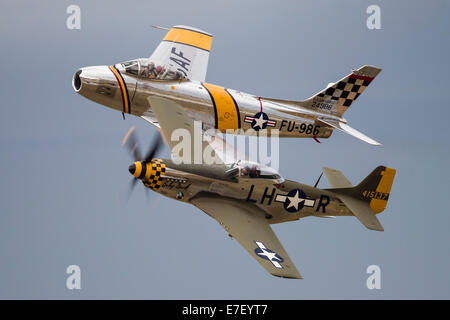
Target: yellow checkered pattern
(155, 170)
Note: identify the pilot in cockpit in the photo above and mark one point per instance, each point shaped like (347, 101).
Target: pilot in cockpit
(144, 69)
(250, 171)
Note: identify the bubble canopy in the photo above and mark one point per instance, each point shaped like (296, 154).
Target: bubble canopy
(253, 170)
(146, 69)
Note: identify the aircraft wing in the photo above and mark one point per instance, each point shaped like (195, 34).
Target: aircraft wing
(150, 117)
(185, 49)
(247, 224)
(171, 118)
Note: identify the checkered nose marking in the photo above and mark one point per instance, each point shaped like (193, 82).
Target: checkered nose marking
(155, 169)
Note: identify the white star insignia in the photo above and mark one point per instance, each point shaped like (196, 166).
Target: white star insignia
(259, 121)
(294, 201)
(270, 255)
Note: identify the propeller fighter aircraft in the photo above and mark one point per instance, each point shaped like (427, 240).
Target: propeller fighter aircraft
(246, 197)
(176, 71)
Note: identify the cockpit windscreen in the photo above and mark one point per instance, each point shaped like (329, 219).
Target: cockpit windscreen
(146, 69)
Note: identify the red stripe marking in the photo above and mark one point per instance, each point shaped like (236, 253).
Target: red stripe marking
(120, 87)
(259, 98)
(355, 76)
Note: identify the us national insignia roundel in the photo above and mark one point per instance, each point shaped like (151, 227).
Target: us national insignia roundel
(295, 200)
(260, 121)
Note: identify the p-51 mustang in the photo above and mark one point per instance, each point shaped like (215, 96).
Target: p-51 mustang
(246, 197)
(176, 71)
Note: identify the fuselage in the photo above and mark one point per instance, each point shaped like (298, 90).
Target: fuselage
(280, 201)
(217, 107)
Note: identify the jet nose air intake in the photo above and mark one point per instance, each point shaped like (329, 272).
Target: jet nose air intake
(76, 81)
(104, 85)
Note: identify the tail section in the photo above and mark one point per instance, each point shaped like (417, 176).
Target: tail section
(368, 198)
(339, 96)
(376, 187)
(336, 98)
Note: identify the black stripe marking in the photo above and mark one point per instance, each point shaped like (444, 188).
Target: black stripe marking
(143, 171)
(237, 108)
(126, 89)
(214, 105)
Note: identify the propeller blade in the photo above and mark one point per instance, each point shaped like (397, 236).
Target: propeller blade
(130, 142)
(154, 147)
(132, 185)
(147, 194)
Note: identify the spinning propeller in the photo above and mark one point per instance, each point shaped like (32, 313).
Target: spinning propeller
(130, 141)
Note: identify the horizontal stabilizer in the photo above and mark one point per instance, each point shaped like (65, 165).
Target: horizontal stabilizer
(336, 178)
(347, 129)
(362, 211)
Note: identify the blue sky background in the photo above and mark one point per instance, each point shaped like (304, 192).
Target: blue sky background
(64, 175)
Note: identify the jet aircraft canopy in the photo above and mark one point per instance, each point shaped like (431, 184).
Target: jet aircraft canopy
(151, 70)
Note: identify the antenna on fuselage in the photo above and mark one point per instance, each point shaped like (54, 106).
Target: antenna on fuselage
(317, 182)
(161, 28)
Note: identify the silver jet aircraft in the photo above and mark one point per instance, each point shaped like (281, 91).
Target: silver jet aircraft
(176, 71)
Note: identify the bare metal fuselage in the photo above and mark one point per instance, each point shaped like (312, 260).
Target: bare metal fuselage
(217, 107)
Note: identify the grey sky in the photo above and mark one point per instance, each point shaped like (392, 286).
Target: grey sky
(64, 173)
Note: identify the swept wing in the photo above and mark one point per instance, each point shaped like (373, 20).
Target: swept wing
(246, 223)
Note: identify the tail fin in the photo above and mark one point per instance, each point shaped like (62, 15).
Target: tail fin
(376, 187)
(368, 198)
(337, 97)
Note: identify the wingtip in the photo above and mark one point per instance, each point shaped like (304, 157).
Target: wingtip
(377, 228)
(299, 277)
(288, 274)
